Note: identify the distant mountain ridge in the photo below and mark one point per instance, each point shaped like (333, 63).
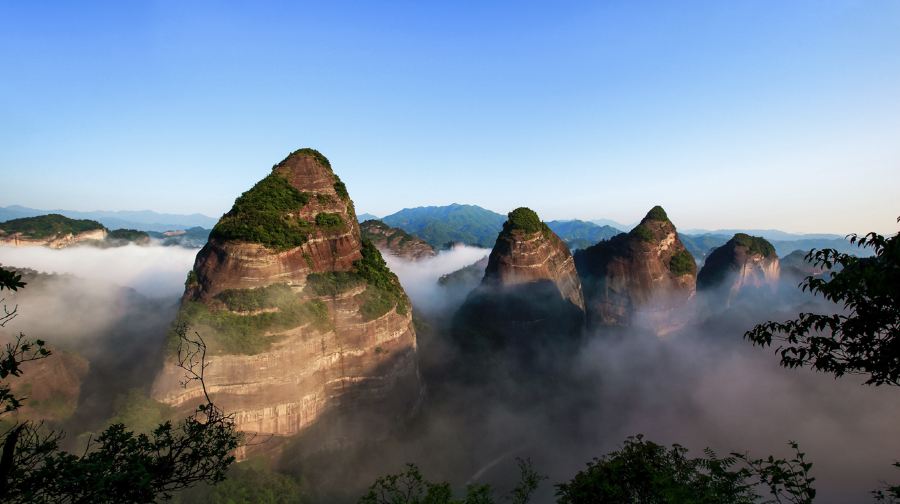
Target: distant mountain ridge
(142, 220)
(455, 223)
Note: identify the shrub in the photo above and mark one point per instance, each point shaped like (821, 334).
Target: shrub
(245, 300)
(657, 213)
(341, 189)
(263, 215)
(235, 333)
(525, 220)
(682, 263)
(383, 290)
(643, 233)
(329, 221)
(754, 244)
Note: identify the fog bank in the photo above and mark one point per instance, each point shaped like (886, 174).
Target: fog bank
(153, 271)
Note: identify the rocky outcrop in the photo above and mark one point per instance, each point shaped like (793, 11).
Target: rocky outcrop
(51, 230)
(743, 262)
(645, 273)
(301, 316)
(56, 241)
(396, 242)
(527, 251)
(529, 301)
(795, 265)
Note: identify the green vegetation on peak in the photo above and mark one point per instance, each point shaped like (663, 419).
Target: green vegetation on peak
(313, 153)
(524, 219)
(642, 232)
(658, 214)
(264, 215)
(754, 244)
(49, 226)
(682, 263)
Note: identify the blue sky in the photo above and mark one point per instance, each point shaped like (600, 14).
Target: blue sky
(743, 114)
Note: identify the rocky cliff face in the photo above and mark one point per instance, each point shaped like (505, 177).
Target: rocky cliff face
(56, 241)
(301, 316)
(528, 252)
(646, 272)
(396, 242)
(744, 262)
(529, 301)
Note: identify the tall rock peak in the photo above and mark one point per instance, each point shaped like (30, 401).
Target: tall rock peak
(302, 317)
(528, 251)
(744, 261)
(647, 271)
(529, 304)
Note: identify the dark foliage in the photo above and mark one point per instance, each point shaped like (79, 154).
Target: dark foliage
(329, 221)
(645, 472)
(128, 235)
(410, 487)
(264, 215)
(118, 466)
(525, 220)
(657, 213)
(865, 337)
(682, 263)
(754, 244)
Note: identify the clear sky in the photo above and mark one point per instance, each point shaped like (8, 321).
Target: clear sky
(730, 114)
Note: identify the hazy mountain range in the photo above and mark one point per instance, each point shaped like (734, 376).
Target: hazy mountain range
(142, 220)
(458, 223)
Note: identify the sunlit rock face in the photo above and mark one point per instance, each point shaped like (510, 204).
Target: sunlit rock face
(396, 242)
(644, 276)
(301, 316)
(56, 242)
(744, 263)
(529, 304)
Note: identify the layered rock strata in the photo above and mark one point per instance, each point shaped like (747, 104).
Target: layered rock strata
(744, 262)
(301, 316)
(645, 273)
(396, 242)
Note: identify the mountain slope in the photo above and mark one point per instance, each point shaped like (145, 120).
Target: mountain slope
(396, 242)
(442, 225)
(580, 234)
(142, 220)
(646, 272)
(302, 317)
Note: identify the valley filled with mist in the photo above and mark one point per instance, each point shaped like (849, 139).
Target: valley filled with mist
(346, 350)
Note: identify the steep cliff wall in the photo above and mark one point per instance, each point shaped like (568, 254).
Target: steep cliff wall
(646, 272)
(301, 316)
(527, 251)
(744, 262)
(529, 305)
